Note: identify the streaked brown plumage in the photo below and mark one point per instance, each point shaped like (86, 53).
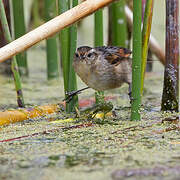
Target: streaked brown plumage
(103, 68)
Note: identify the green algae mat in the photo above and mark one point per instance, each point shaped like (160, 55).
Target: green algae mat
(110, 148)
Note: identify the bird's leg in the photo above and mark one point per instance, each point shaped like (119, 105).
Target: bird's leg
(130, 92)
(99, 97)
(70, 95)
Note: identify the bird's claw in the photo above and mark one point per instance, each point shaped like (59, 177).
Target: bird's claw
(70, 95)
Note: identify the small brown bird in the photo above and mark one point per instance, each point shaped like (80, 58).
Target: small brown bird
(103, 68)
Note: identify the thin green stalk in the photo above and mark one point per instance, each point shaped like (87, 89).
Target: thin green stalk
(68, 40)
(136, 64)
(98, 41)
(118, 24)
(51, 43)
(19, 30)
(147, 21)
(36, 14)
(64, 43)
(72, 83)
(14, 66)
(98, 28)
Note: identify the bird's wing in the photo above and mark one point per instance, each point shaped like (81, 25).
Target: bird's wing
(114, 55)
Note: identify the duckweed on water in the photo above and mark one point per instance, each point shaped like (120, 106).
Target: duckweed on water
(97, 151)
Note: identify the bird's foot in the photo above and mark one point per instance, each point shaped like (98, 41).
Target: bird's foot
(71, 94)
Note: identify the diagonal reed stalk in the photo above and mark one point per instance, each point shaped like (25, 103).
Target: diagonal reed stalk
(98, 41)
(14, 65)
(51, 43)
(51, 27)
(136, 64)
(68, 40)
(147, 21)
(19, 30)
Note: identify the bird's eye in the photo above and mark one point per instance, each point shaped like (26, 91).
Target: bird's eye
(76, 55)
(90, 55)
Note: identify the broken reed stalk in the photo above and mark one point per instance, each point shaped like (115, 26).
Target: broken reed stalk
(19, 30)
(51, 43)
(68, 40)
(118, 24)
(136, 63)
(98, 41)
(18, 115)
(170, 97)
(51, 27)
(14, 65)
(146, 31)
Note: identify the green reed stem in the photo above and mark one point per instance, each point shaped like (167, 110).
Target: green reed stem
(72, 83)
(19, 30)
(147, 21)
(36, 14)
(98, 28)
(64, 43)
(118, 24)
(14, 65)
(68, 40)
(51, 43)
(136, 64)
(98, 41)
